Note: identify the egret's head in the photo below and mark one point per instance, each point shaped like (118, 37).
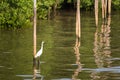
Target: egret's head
(42, 42)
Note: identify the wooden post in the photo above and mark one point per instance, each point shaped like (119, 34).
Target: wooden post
(103, 10)
(78, 26)
(105, 7)
(109, 7)
(34, 30)
(96, 12)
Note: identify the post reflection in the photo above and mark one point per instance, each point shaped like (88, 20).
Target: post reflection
(102, 49)
(37, 72)
(77, 55)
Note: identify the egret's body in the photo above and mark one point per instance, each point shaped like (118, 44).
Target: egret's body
(39, 53)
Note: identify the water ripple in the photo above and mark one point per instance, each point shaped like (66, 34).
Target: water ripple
(62, 79)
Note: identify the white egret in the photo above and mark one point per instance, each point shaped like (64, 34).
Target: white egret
(39, 53)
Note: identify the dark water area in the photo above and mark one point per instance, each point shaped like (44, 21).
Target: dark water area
(97, 58)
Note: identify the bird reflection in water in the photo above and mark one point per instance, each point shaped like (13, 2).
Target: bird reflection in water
(37, 72)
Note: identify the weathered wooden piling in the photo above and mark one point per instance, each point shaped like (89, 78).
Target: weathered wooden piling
(103, 9)
(78, 24)
(109, 7)
(96, 12)
(106, 8)
(34, 29)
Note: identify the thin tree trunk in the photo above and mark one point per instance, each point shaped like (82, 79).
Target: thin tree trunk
(78, 27)
(34, 31)
(105, 7)
(109, 7)
(55, 7)
(77, 45)
(103, 11)
(96, 12)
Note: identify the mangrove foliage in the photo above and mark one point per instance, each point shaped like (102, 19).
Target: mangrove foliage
(16, 13)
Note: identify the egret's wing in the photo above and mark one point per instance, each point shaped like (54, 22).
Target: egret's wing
(38, 53)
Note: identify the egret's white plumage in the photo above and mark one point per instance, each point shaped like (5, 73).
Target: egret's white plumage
(39, 53)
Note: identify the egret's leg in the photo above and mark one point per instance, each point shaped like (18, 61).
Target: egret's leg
(38, 62)
(34, 61)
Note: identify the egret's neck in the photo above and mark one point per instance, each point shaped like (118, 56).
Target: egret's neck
(41, 45)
